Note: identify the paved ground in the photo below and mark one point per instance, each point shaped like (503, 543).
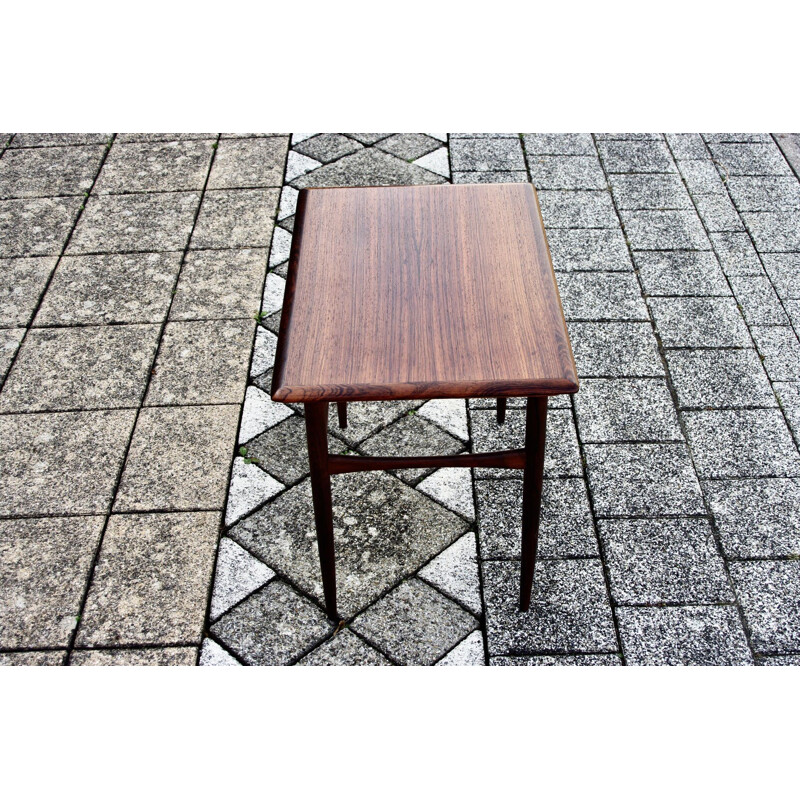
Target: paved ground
(133, 266)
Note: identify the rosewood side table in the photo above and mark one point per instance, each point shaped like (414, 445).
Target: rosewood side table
(417, 292)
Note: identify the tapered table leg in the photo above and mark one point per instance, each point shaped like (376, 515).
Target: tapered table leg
(535, 431)
(501, 410)
(341, 410)
(317, 435)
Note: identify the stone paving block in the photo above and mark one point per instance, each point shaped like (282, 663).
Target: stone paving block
(699, 322)
(454, 572)
(615, 349)
(477, 135)
(566, 172)
(648, 480)
(44, 569)
(664, 230)
(663, 561)
(249, 163)
(609, 660)
(264, 349)
(202, 362)
(760, 305)
(687, 146)
(452, 487)
(741, 444)
(135, 223)
(72, 369)
(155, 167)
(438, 161)
(101, 289)
(632, 137)
(327, 147)
(451, 415)
(565, 527)
(736, 254)
(569, 612)
(626, 409)
(789, 396)
(784, 272)
(368, 138)
(34, 658)
(274, 290)
(719, 378)
(214, 655)
(49, 171)
(259, 414)
(235, 218)
(750, 159)
(757, 518)
(409, 146)
(415, 625)
(220, 284)
(24, 280)
(58, 139)
(486, 155)
(63, 463)
(162, 137)
(769, 592)
(281, 247)
(755, 193)
(654, 192)
(272, 627)
(559, 144)
(250, 487)
(578, 250)
(150, 585)
(774, 231)
(635, 156)
(496, 176)
(135, 657)
(344, 650)
(237, 575)
(581, 209)
(468, 653)
(680, 272)
(780, 350)
(298, 165)
(737, 137)
(383, 530)
(288, 202)
(688, 635)
(36, 227)
(561, 454)
(778, 661)
(9, 344)
(718, 213)
(178, 459)
(365, 418)
(602, 295)
(701, 178)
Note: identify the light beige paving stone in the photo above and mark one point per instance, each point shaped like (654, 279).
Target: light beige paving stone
(136, 657)
(220, 284)
(33, 658)
(36, 227)
(151, 581)
(44, 569)
(91, 290)
(9, 344)
(235, 218)
(58, 139)
(163, 137)
(23, 281)
(50, 171)
(63, 463)
(249, 163)
(66, 369)
(179, 459)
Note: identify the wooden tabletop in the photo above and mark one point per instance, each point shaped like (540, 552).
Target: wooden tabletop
(407, 292)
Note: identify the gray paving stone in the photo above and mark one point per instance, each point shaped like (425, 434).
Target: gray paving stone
(202, 362)
(496, 176)
(259, 414)
(327, 147)
(688, 635)
(34, 658)
(468, 653)
(680, 272)
(63, 463)
(415, 624)
(699, 322)
(581, 209)
(565, 527)
(566, 172)
(24, 280)
(235, 218)
(454, 572)
(635, 156)
(135, 223)
(409, 146)
(784, 272)
(9, 344)
(237, 575)
(452, 487)
(601, 295)
(626, 409)
(559, 144)
(136, 657)
(150, 585)
(58, 139)
(758, 300)
(741, 444)
(383, 530)
(663, 561)
(100, 289)
(648, 480)
(249, 163)
(344, 650)
(615, 349)
(778, 661)
(50, 171)
(632, 137)
(780, 350)
(755, 193)
(486, 155)
(687, 146)
(364, 418)
(569, 611)
(162, 137)
(44, 569)
(774, 231)
(719, 378)
(750, 159)
(36, 227)
(769, 592)
(609, 660)
(178, 459)
(368, 138)
(215, 655)
(664, 230)
(737, 137)
(578, 250)
(250, 487)
(72, 369)
(756, 518)
(701, 177)
(561, 454)
(155, 167)
(789, 397)
(654, 192)
(718, 213)
(450, 415)
(274, 626)
(736, 254)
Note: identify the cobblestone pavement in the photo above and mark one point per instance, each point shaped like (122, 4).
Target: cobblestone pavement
(671, 509)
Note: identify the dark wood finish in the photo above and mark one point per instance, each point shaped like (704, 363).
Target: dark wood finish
(501, 410)
(421, 291)
(535, 434)
(341, 410)
(504, 459)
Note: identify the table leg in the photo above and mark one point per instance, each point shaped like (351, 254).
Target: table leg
(535, 432)
(501, 410)
(317, 436)
(341, 410)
